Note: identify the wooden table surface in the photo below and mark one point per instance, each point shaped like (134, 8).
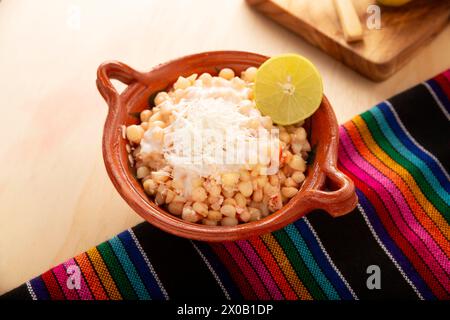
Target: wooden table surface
(56, 199)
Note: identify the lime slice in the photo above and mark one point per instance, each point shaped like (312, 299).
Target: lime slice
(288, 88)
(393, 3)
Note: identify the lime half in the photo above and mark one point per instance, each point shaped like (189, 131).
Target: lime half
(288, 88)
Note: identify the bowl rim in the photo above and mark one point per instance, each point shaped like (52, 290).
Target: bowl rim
(341, 200)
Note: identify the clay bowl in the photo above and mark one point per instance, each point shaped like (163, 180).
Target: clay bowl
(325, 187)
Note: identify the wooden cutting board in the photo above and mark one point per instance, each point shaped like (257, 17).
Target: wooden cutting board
(383, 51)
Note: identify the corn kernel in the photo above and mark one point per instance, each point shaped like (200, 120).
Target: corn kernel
(297, 163)
(230, 179)
(246, 188)
(201, 208)
(142, 172)
(181, 83)
(214, 215)
(145, 115)
(176, 208)
(150, 186)
(189, 214)
(199, 194)
(298, 177)
(288, 192)
(249, 74)
(208, 222)
(161, 97)
(229, 221)
(226, 73)
(228, 210)
(135, 133)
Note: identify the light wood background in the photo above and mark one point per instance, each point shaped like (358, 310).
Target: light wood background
(55, 197)
(383, 51)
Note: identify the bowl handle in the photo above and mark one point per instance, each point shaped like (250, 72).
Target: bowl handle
(341, 200)
(114, 70)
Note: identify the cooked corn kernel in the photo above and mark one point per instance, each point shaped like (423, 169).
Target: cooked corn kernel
(201, 208)
(228, 210)
(298, 176)
(240, 199)
(306, 146)
(176, 208)
(181, 83)
(270, 190)
(159, 198)
(226, 73)
(189, 214)
(289, 182)
(230, 201)
(297, 163)
(249, 74)
(258, 195)
(245, 216)
(246, 188)
(228, 192)
(135, 133)
(216, 206)
(192, 78)
(142, 172)
(214, 215)
(206, 78)
(179, 199)
(170, 195)
(157, 116)
(274, 180)
(161, 97)
(150, 186)
(230, 179)
(262, 181)
(144, 125)
(285, 137)
(229, 221)
(212, 188)
(296, 148)
(288, 192)
(300, 134)
(199, 194)
(255, 214)
(208, 222)
(145, 115)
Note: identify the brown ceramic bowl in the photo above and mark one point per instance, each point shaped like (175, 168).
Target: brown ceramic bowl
(325, 187)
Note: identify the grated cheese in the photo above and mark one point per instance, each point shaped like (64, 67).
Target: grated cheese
(210, 134)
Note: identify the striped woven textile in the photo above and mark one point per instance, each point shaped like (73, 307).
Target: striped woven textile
(397, 153)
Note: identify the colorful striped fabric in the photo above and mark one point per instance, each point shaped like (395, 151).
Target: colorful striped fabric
(397, 153)
(117, 269)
